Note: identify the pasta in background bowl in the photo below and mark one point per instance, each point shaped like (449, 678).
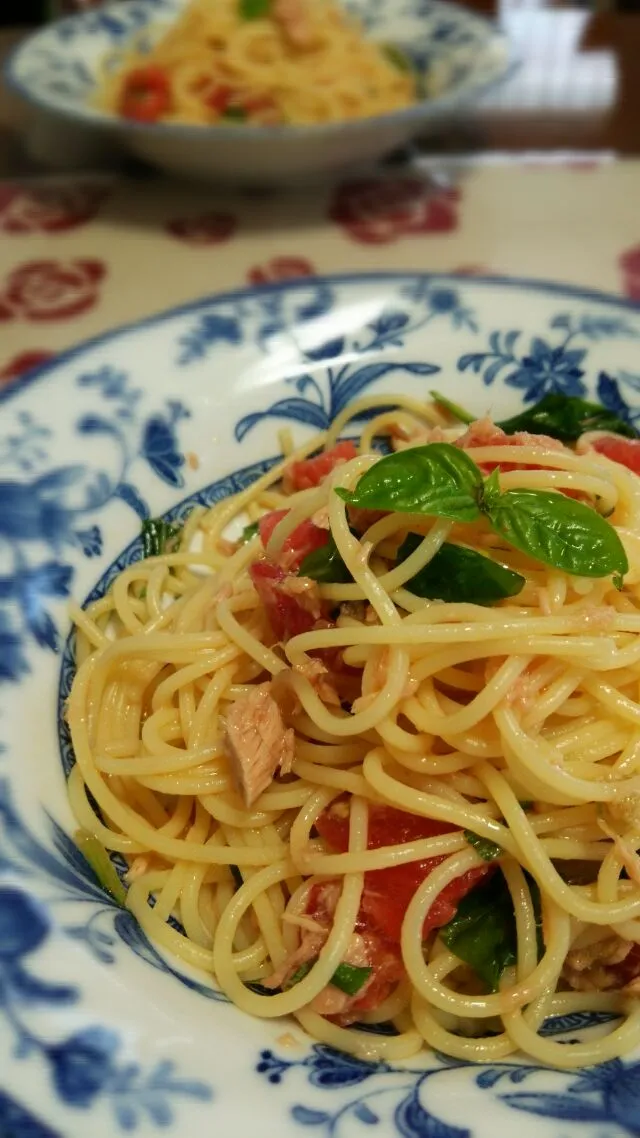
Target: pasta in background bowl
(266, 119)
(508, 843)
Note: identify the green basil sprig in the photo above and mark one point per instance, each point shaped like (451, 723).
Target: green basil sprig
(437, 479)
(441, 480)
(158, 536)
(487, 849)
(254, 9)
(483, 931)
(325, 565)
(566, 417)
(454, 409)
(458, 574)
(249, 532)
(347, 977)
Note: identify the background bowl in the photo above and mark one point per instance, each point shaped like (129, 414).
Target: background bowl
(459, 54)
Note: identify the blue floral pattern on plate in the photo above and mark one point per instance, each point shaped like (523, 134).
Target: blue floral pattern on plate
(96, 1023)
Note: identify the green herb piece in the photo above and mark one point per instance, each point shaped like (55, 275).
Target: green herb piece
(437, 479)
(249, 532)
(457, 574)
(299, 975)
(98, 858)
(483, 931)
(350, 979)
(487, 849)
(234, 114)
(158, 536)
(254, 9)
(559, 532)
(325, 565)
(238, 879)
(346, 977)
(566, 417)
(454, 409)
(398, 57)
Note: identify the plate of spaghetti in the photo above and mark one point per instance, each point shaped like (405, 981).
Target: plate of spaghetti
(261, 90)
(319, 785)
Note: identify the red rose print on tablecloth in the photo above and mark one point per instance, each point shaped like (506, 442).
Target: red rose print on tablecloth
(23, 363)
(206, 229)
(629, 263)
(281, 269)
(378, 212)
(51, 290)
(48, 209)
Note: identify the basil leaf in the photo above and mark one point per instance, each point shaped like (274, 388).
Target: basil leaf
(325, 565)
(98, 858)
(483, 931)
(457, 574)
(566, 417)
(254, 9)
(437, 479)
(454, 409)
(350, 979)
(234, 114)
(157, 536)
(249, 532)
(397, 56)
(298, 975)
(487, 849)
(558, 531)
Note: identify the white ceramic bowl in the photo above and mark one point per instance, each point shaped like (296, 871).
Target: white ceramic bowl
(460, 55)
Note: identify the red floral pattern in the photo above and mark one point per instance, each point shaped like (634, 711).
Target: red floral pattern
(378, 212)
(51, 290)
(205, 229)
(21, 364)
(281, 269)
(629, 263)
(48, 209)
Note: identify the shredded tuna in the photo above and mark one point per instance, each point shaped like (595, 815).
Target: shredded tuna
(317, 674)
(306, 592)
(257, 742)
(592, 969)
(293, 17)
(308, 949)
(332, 1001)
(321, 518)
(484, 433)
(626, 849)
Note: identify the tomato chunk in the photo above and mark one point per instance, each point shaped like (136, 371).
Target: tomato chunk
(286, 613)
(312, 471)
(146, 95)
(624, 451)
(305, 539)
(388, 892)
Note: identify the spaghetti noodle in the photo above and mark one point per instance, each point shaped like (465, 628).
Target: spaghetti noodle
(264, 62)
(382, 763)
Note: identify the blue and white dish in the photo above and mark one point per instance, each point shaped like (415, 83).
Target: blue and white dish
(99, 1033)
(459, 54)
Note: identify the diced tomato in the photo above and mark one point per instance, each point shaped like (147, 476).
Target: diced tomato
(287, 615)
(388, 892)
(305, 539)
(218, 98)
(624, 451)
(146, 95)
(385, 957)
(312, 471)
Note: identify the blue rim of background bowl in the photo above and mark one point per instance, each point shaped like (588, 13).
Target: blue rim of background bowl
(417, 112)
(332, 279)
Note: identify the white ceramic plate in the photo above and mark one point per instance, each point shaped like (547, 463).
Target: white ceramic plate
(459, 54)
(100, 1035)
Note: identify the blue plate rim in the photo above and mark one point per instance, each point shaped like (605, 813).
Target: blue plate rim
(576, 292)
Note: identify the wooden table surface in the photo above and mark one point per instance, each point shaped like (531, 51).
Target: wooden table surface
(578, 89)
